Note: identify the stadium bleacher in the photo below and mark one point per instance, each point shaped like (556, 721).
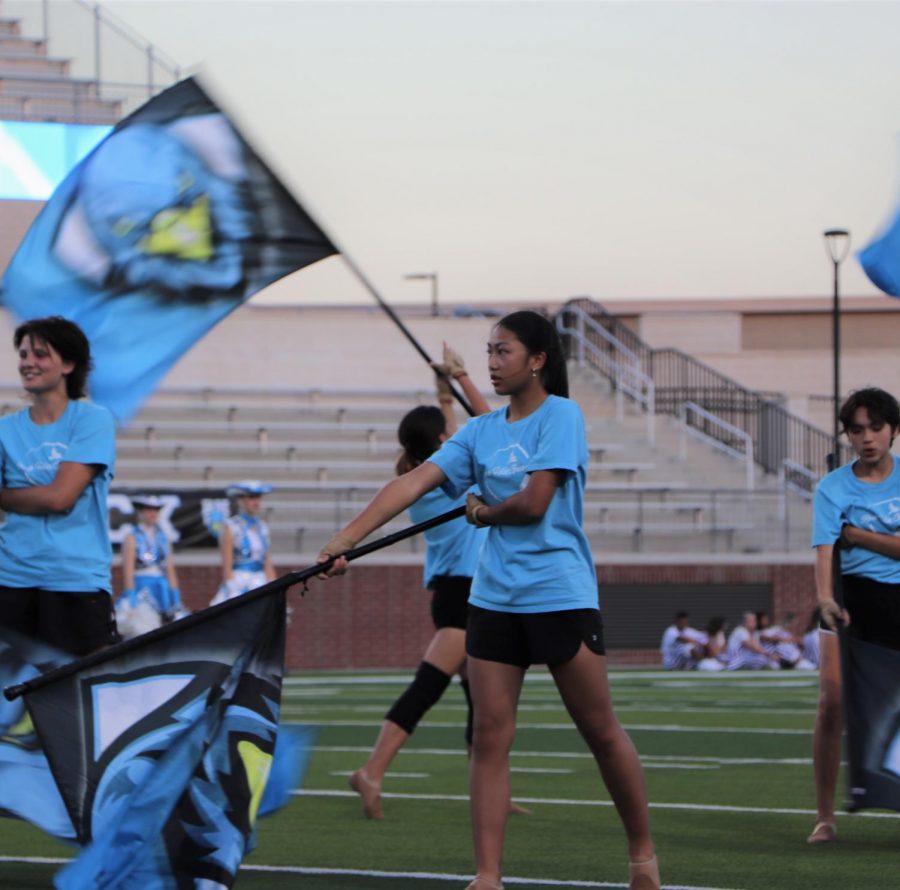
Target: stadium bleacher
(327, 452)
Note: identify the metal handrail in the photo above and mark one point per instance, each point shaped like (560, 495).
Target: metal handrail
(776, 433)
(97, 39)
(689, 410)
(627, 377)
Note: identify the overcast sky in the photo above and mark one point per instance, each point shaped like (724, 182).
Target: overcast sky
(533, 151)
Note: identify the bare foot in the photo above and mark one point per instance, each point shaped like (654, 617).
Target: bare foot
(369, 791)
(644, 875)
(518, 810)
(484, 884)
(825, 832)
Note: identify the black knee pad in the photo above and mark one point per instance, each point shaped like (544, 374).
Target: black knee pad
(470, 720)
(424, 692)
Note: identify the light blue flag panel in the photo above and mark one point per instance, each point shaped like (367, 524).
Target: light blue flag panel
(27, 788)
(880, 259)
(166, 227)
(162, 753)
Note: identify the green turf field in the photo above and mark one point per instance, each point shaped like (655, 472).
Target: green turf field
(728, 768)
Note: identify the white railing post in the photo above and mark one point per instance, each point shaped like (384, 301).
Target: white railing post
(620, 395)
(746, 454)
(580, 323)
(751, 470)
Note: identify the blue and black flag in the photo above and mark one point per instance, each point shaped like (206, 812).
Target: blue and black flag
(27, 788)
(167, 226)
(871, 676)
(162, 747)
(880, 259)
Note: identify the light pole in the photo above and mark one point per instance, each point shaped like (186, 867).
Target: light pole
(433, 278)
(837, 243)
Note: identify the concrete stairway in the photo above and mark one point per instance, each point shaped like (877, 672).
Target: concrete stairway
(707, 507)
(36, 87)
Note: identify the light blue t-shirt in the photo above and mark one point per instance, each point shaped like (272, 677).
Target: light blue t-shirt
(545, 566)
(58, 551)
(841, 498)
(451, 548)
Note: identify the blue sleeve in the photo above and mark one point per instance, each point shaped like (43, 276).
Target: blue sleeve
(828, 515)
(562, 444)
(456, 459)
(93, 438)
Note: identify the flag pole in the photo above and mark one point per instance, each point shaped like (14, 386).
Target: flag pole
(351, 264)
(403, 329)
(276, 586)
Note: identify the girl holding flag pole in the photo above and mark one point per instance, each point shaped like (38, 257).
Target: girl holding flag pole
(534, 593)
(859, 505)
(450, 560)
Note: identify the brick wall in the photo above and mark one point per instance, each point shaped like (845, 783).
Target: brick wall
(377, 616)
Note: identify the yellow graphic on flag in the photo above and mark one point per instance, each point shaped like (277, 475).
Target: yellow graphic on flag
(257, 765)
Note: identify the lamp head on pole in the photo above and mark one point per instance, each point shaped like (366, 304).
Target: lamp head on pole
(837, 243)
(433, 278)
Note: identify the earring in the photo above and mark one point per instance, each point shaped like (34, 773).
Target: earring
(534, 372)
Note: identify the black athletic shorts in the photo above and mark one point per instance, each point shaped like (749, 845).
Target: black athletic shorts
(874, 609)
(530, 638)
(77, 623)
(450, 600)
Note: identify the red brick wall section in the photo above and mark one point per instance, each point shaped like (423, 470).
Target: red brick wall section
(379, 617)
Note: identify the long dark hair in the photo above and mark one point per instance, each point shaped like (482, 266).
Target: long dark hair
(537, 334)
(68, 340)
(420, 434)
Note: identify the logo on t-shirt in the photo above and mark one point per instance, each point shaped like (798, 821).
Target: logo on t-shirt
(41, 462)
(882, 516)
(508, 465)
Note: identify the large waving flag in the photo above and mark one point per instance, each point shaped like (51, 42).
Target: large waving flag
(167, 226)
(162, 747)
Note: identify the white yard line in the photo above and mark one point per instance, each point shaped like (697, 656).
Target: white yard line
(392, 875)
(584, 755)
(639, 727)
(569, 802)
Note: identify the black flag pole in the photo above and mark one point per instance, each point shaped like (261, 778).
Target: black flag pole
(403, 328)
(276, 586)
(351, 264)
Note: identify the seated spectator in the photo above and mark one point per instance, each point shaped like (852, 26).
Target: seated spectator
(714, 654)
(781, 643)
(811, 638)
(682, 646)
(744, 651)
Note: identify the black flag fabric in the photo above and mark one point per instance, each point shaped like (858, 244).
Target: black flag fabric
(871, 676)
(162, 753)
